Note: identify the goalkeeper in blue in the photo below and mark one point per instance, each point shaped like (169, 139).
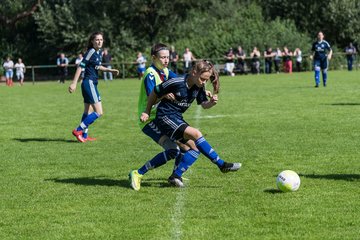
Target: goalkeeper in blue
(169, 116)
(322, 53)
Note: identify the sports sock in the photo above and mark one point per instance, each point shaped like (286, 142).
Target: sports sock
(324, 75)
(179, 157)
(88, 120)
(187, 160)
(85, 132)
(208, 151)
(159, 160)
(317, 77)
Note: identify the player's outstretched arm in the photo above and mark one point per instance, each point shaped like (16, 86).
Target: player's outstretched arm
(212, 102)
(330, 54)
(72, 86)
(105, 69)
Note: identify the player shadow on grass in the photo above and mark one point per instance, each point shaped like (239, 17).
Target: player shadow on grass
(97, 181)
(25, 140)
(345, 177)
(344, 104)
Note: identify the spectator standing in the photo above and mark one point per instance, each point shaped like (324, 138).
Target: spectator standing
(141, 61)
(62, 63)
(106, 62)
(188, 57)
(20, 70)
(241, 55)
(350, 55)
(9, 72)
(268, 54)
(287, 60)
(173, 57)
(277, 59)
(229, 62)
(77, 63)
(255, 61)
(298, 56)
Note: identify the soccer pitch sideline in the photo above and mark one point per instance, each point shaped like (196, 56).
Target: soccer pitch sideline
(55, 188)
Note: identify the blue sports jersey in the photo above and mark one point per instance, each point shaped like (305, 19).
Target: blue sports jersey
(91, 62)
(150, 82)
(321, 49)
(184, 96)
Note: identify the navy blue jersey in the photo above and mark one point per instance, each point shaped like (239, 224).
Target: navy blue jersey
(91, 62)
(149, 80)
(184, 96)
(321, 49)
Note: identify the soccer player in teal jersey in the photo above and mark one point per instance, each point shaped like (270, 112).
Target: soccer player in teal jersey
(92, 101)
(322, 53)
(170, 121)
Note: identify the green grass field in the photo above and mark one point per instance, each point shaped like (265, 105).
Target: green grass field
(55, 188)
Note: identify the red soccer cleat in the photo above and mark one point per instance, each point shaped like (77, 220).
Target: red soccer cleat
(90, 139)
(78, 135)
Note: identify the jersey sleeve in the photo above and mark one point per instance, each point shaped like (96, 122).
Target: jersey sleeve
(87, 58)
(328, 47)
(149, 83)
(201, 97)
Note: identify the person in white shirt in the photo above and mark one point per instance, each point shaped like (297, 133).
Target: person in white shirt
(77, 63)
(8, 66)
(20, 70)
(298, 55)
(188, 58)
(141, 61)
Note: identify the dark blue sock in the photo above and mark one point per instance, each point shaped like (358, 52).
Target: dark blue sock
(208, 151)
(159, 160)
(88, 120)
(324, 75)
(85, 132)
(188, 159)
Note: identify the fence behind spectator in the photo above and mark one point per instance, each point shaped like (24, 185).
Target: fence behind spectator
(128, 70)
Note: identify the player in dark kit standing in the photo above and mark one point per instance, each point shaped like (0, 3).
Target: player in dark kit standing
(170, 121)
(92, 101)
(322, 53)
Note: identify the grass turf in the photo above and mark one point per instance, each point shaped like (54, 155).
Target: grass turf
(55, 188)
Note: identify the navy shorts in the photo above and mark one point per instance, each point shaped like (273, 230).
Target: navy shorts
(90, 92)
(172, 126)
(321, 64)
(152, 131)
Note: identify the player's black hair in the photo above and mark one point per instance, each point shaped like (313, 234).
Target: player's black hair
(91, 38)
(157, 48)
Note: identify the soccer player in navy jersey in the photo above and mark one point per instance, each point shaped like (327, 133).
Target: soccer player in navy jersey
(169, 116)
(92, 101)
(322, 53)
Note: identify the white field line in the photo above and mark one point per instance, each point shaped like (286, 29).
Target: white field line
(178, 213)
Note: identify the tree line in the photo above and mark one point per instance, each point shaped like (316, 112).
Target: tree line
(39, 30)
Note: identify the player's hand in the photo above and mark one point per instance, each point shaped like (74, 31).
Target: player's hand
(144, 117)
(170, 96)
(72, 87)
(115, 71)
(208, 93)
(214, 99)
(311, 57)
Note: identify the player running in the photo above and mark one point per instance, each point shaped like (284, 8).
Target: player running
(322, 53)
(92, 101)
(170, 121)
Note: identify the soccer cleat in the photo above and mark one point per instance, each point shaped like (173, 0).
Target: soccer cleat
(89, 139)
(135, 180)
(78, 135)
(317, 85)
(176, 181)
(230, 167)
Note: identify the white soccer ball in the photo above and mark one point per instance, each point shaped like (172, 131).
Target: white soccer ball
(288, 181)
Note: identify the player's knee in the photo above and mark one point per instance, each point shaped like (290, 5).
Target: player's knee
(172, 153)
(317, 68)
(196, 134)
